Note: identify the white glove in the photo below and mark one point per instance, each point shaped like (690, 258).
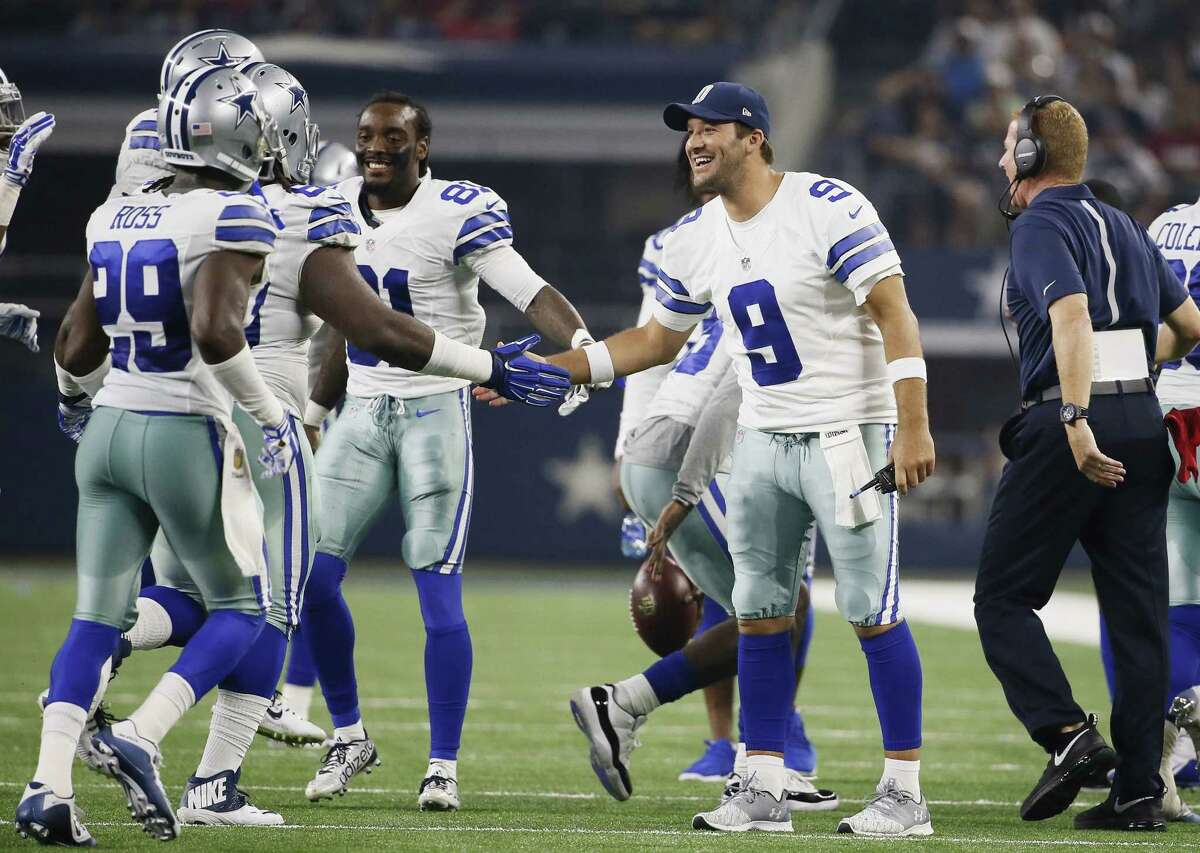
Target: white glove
(24, 147)
(19, 322)
(281, 446)
(579, 394)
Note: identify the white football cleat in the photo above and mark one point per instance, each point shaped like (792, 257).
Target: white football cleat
(343, 761)
(611, 732)
(281, 723)
(892, 813)
(218, 801)
(438, 791)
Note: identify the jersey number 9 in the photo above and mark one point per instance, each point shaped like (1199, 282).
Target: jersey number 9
(758, 317)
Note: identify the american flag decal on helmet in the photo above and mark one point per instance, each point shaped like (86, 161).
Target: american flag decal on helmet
(201, 128)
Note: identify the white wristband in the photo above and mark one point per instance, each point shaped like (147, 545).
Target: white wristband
(241, 378)
(599, 363)
(906, 368)
(315, 414)
(580, 338)
(8, 201)
(450, 358)
(67, 386)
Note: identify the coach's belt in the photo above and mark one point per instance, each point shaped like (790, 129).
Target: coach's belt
(1099, 389)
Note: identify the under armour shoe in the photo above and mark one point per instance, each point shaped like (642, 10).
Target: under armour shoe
(798, 752)
(714, 765)
(438, 791)
(748, 809)
(281, 723)
(1141, 814)
(611, 732)
(50, 819)
(218, 801)
(134, 761)
(1084, 755)
(342, 762)
(892, 813)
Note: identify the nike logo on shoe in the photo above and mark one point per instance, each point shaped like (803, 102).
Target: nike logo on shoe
(208, 794)
(1120, 807)
(423, 412)
(1059, 756)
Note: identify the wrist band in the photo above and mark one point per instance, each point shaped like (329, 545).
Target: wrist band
(315, 414)
(906, 368)
(599, 363)
(581, 338)
(67, 386)
(451, 358)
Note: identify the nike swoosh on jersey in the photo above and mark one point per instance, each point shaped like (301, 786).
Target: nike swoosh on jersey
(1047, 287)
(857, 211)
(490, 206)
(1059, 756)
(423, 412)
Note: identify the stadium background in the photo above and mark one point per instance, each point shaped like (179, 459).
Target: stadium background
(556, 105)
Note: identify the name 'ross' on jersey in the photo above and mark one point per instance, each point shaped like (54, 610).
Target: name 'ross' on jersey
(789, 286)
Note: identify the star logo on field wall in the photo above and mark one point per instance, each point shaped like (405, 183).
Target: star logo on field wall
(583, 481)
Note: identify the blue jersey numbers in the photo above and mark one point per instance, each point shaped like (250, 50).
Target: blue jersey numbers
(700, 351)
(765, 334)
(463, 192)
(139, 301)
(392, 289)
(1191, 280)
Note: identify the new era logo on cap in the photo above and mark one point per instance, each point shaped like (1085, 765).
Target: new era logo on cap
(722, 102)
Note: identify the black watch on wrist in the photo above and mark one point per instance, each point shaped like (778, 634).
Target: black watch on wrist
(1069, 413)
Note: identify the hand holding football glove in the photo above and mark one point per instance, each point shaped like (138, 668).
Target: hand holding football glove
(516, 376)
(19, 322)
(281, 446)
(24, 147)
(73, 415)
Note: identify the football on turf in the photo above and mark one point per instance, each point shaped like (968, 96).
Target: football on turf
(665, 612)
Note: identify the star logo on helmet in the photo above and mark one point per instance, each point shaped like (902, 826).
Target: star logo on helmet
(243, 102)
(299, 96)
(223, 59)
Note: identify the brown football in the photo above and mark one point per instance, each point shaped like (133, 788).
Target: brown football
(665, 612)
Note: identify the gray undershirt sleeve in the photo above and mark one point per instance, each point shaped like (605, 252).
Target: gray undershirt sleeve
(711, 441)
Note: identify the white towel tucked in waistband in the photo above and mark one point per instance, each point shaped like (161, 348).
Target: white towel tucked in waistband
(846, 456)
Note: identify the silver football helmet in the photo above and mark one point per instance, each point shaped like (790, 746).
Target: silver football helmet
(11, 111)
(214, 117)
(335, 163)
(205, 49)
(294, 138)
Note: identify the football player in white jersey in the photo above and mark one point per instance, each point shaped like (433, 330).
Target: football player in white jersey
(427, 242)
(811, 296)
(310, 275)
(20, 139)
(165, 294)
(1177, 235)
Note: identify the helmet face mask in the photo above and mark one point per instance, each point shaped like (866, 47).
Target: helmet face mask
(12, 113)
(292, 138)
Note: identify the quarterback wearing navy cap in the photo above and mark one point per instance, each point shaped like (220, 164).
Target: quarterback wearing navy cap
(809, 291)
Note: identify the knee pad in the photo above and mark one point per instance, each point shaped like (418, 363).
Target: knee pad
(441, 599)
(854, 601)
(325, 580)
(186, 614)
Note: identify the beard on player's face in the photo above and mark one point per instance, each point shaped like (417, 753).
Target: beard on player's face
(722, 175)
(382, 169)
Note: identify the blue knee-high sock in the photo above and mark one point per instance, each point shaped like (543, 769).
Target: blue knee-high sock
(894, 668)
(672, 677)
(75, 673)
(1106, 659)
(329, 630)
(257, 672)
(766, 682)
(711, 615)
(1185, 648)
(301, 670)
(217, 648)
(187, 615)
(448, 659)
(148, 578)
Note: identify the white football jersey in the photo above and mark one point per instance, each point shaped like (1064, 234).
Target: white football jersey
(789, 286)
(279, 325)
(1177, 235)
(686, 390)
(139, 160)
(420, 261)
(144, 254)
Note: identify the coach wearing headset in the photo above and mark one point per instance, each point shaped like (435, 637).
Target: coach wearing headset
(1087, 462)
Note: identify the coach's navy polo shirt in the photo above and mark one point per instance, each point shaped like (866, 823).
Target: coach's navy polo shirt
(1068, 242)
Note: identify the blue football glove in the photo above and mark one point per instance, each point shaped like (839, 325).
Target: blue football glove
(73, 415)
(24, 147)
(515, 376)
(281, 446)
(19, 322)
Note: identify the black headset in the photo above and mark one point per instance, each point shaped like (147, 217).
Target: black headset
(1029, 152)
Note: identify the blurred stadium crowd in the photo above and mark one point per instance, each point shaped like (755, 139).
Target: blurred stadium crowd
(925, 138)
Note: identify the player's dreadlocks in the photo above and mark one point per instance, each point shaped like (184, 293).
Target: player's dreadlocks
(424, 122)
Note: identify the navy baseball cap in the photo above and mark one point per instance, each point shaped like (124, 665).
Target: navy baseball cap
(722, 102)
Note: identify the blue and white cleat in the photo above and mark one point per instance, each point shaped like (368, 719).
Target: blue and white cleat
(218, 801)
(714, 765)
(611, 732)
(134, 761)
(50, 819)
(798, 752)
